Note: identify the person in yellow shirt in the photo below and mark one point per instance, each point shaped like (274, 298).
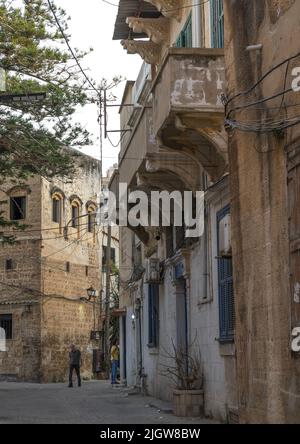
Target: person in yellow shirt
(114, 357)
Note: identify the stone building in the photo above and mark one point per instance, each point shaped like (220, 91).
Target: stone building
(262, 61)
(175, 141)
(114, 258)
(44, 276)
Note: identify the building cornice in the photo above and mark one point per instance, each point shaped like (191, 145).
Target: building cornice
(169, 8)
(148, 51)
(156, 29)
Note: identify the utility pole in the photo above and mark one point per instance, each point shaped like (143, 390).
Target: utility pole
(107, 301)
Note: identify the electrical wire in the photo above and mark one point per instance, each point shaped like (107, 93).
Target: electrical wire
(264, 125)
(37, 292)
(261, 79)
(70, 48)
(43, 229)
(119, 142)
(66, 246)
(262, 129)
(249, 105)
(166, 10)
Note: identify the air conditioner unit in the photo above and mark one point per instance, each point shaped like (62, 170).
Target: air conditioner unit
(225, 236)
(152, 274)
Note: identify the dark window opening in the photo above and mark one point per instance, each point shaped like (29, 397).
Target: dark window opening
(105, 257)
(113, 255)
(169, 241)
(185, 38)
(56, 210)
(86, 271)
(6, 324)
(75, 216)
(180, 237)
(18, 208)
(137, 255)
(9, 264)
(175, 239)
(153, 315)
(91, 222)
(68, 267)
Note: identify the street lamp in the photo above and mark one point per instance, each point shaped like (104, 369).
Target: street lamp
(91, 292)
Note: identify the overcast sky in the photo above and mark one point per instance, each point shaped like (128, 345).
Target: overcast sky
(92, 25)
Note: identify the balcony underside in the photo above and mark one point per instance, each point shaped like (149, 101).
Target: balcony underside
(205, 147)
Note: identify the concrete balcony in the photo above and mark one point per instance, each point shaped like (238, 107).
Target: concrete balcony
(135, 149)
(145, 165)
(188, 115)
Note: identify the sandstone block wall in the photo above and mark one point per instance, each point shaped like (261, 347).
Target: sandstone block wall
(41, 292)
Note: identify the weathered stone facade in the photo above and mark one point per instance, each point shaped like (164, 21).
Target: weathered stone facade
(44, 285)
(265, 210)
(175, 141)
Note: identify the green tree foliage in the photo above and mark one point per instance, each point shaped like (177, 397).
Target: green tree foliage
(35, 58)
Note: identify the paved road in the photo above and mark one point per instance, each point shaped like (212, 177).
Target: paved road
(94, 403)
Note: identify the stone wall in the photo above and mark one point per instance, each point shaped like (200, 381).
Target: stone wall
(69, 267)
(20, 287)
(21, 360)
(50, 273)
(268, 374)
(66, 322)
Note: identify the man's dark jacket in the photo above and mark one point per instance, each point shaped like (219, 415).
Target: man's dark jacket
(75, 357)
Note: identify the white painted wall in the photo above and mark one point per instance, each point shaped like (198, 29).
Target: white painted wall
(130, 348)
(203, 324)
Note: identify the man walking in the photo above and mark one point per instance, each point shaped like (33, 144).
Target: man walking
(75, 360)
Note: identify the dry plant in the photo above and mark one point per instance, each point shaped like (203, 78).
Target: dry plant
(184, 368)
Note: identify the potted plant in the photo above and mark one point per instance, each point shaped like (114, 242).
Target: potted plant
(185, 370)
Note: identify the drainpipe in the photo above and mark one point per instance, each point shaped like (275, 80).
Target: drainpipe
(197, 20)
(140, 344)
(138, 314)
(206, 274)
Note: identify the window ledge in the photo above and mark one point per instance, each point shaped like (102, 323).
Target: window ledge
(204, 301)
(227, 349)
(154, 351)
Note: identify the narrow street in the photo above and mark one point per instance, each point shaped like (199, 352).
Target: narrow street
(149, 213)
(93, 403)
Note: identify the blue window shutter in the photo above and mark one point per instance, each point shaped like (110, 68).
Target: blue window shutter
(189, 33)
(220, 24)
(226, 293)
(217, 23)
(179, 41)
(185, 38)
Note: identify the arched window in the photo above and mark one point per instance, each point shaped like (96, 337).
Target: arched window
(18, 202)
(91, 211)
(76, 204)
(57, 198)
(57, 202)
(75, 214)
(18, 208)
